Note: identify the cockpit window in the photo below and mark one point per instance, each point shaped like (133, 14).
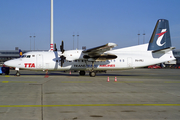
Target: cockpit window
(28, 56)
(23, 56)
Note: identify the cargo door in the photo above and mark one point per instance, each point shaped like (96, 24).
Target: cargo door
(39, 61)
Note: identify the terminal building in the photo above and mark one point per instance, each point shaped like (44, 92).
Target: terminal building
(9, 54)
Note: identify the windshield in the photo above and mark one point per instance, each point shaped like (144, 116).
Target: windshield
(26, 56)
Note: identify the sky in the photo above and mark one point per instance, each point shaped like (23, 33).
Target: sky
(97, 22)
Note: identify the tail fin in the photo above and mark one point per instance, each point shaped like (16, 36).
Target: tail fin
(160, 38)
(20, 53)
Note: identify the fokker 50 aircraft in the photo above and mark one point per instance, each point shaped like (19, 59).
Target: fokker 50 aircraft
(158, 50)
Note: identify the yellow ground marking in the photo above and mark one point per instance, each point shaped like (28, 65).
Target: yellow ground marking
(172, 82)
(5, 81)
(79, 105)
(91, 82)
(76, 82)
(147, 82)
(18, 82)
(129, 82)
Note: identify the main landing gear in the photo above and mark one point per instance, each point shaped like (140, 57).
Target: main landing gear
(92, 73)
(82, 72)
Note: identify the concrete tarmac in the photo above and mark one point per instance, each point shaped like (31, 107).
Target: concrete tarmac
(145, 94)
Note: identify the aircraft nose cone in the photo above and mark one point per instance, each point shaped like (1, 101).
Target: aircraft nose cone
(9, 63)
(6, 63)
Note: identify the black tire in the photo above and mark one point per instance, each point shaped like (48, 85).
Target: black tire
(92, 74)
(82, 73)
(17, 73)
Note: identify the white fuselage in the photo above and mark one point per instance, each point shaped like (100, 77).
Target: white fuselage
(127, 58)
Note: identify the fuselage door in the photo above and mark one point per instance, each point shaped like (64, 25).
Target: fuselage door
(39, 61)
(129, 62)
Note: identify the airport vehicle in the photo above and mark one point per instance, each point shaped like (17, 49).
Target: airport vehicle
(4, 70)
(158, 50)
(154, 66)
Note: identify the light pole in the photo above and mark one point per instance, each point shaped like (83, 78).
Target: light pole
(138, 38)
(144, 37)
(34, 41)
(30, 42)
(77, 41)
(73, 40)
(52, 35)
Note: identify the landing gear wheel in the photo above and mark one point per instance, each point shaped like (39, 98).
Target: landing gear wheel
(17, 73)
(82, 73)
(92, 74)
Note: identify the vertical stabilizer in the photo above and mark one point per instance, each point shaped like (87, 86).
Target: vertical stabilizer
(160, 38)
(20, 53)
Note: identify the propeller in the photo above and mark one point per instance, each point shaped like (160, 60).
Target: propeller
(62, 51)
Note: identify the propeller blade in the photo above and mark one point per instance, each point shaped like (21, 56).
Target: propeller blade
(62, 47)
(62, 60)
(62, 51)
(55, 49)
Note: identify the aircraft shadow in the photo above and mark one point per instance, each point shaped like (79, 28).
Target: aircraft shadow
(73, 74)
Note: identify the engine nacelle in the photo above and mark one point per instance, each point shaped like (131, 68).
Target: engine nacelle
(73, 55)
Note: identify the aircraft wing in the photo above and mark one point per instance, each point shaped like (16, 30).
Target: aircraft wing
(98, 52)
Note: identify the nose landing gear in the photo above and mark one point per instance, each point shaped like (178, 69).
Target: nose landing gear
(17, 73)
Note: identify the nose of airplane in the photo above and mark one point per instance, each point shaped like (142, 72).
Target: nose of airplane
(9, 63)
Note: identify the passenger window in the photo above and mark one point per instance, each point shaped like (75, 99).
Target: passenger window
(33, 55)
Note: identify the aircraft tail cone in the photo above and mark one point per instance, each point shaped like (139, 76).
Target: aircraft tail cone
(115, 80)
(108, 79)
